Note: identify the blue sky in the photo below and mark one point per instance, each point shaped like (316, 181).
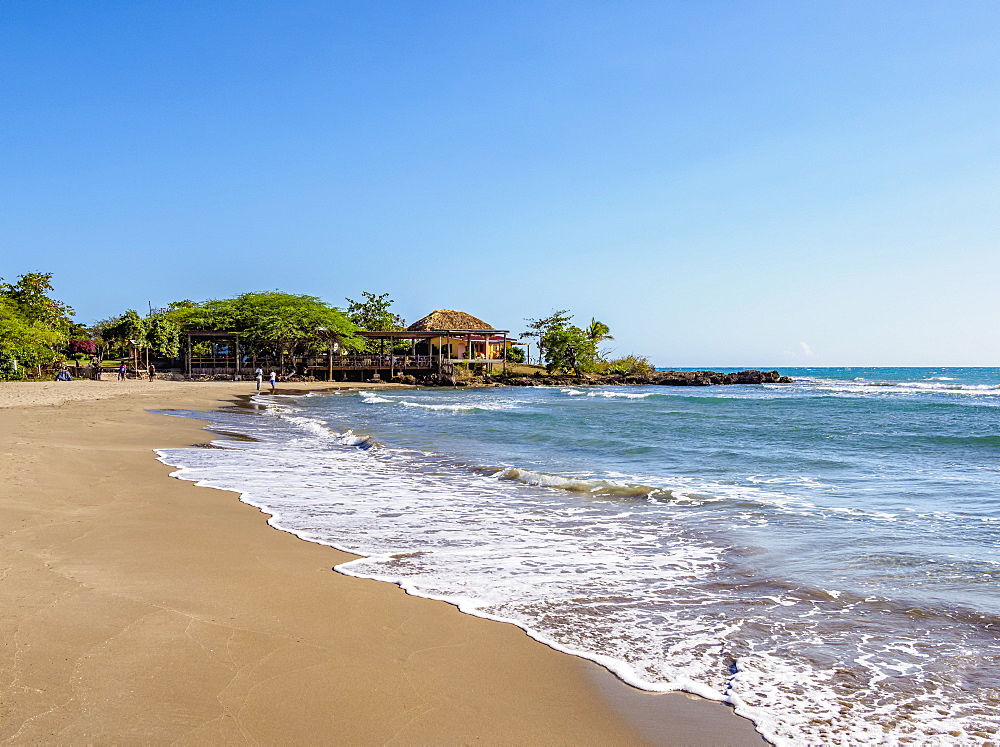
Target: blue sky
(723, 183)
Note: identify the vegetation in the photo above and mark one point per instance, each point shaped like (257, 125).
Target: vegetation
(566, 347)
(271, 323)
(630, 365)
(598, 332)
(569, 349)
(515, 354)
(375, 315)
(34, 328)
(154, 335)
(82, 347)
(37, 333)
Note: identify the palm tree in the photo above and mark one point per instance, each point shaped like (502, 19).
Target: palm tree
(598, 331)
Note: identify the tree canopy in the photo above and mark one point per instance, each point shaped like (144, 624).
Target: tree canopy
(564, 346)
(34, 327)
(374, 314)
(271, 322)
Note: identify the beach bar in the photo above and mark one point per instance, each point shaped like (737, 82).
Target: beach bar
(207, 353)
(437, 343)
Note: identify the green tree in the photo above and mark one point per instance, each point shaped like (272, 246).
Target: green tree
(30, 294)
(374, 313)
(597, 332)
(299, 325)
(163, 336)
(539, 328)
(515, 354)
(271, 322)
(24, 344)
(34, 328)
(123, 332)
(568, 348)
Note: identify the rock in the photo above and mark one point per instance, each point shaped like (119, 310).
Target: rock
(662, 378)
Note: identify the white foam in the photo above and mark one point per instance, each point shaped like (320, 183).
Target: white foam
(374, 399)
(607, 394)
(550, 560)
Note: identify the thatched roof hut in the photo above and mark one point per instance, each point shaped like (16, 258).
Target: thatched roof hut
(446, 319)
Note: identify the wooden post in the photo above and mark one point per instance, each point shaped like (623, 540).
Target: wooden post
(329, 358)
(505, 352)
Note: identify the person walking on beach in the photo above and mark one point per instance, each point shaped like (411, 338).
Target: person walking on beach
(259, 377)
(272, 381)
(122, 371)
(152, 372)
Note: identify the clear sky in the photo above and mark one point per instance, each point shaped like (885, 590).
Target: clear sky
(760, 183)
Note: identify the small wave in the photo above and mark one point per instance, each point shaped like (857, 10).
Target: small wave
(622, 395)
(951, 387)
(988, 441)
(374, 399)
(608, 394)
(901, 387)
(317, 428)
(578, 484)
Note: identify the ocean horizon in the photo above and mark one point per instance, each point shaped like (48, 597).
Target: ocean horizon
(822, 555)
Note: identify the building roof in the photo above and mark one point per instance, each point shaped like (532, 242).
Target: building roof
(446, 320)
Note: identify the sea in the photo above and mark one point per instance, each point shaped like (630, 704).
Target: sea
(822, 555)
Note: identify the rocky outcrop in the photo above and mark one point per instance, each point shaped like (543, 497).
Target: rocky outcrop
(661, 378)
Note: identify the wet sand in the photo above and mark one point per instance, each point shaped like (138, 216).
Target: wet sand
(139, 608)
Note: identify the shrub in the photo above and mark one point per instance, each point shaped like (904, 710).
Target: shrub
(515, 354)
(630, 365)
(82, 346)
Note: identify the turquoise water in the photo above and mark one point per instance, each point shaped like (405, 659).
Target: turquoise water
(824, 554)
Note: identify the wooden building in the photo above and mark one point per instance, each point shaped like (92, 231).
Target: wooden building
(208, 353)
(437, 343)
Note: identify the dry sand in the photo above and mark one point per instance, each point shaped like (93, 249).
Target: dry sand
(139, 608)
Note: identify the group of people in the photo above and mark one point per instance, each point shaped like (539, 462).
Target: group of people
(259, 378)
(123, 372)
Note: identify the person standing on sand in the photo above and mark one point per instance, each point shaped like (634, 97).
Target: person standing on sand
(122, 371)
(272, 381)
(259, 377)
(152, 372)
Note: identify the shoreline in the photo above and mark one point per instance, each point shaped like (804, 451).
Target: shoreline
(143, 608)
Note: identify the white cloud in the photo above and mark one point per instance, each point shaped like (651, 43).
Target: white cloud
(802, 350)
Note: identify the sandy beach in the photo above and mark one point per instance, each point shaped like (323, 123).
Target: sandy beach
(139, 608)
